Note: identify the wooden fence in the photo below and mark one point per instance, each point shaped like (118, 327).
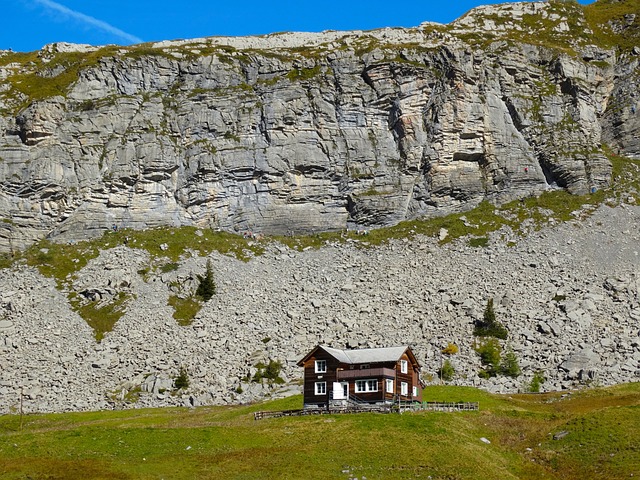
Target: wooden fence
(440, 406)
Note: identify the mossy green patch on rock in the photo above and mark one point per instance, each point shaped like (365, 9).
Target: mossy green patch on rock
(63, 261)
(102, 316)
(60, 261)
(185, 309)
(304, 73)
(42, 75)
(175, 242)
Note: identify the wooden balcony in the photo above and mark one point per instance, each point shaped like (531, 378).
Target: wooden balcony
(366, 373)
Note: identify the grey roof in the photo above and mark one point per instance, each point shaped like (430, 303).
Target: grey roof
(366, 355)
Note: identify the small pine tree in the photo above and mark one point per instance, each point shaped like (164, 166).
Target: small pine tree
(490, 355)
(536, 382)
(489, 315)
(509, 365)
(207, 287)
(447, 371)
(489, 326)
(182, 380)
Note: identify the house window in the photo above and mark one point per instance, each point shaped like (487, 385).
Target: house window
(389, 386)
(321, 366)
(415, 391)
(404, 388)
(365, 386)
(403, 366)
(321, 388)
(364, 365)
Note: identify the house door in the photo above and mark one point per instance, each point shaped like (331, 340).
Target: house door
(345, 389)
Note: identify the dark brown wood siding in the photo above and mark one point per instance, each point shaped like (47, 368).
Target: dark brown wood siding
(411, 378)
(375, 371)
(311, 377)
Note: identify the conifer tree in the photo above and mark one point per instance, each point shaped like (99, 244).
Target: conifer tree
(207, 287)
(182, 380)
(447, 371)
(489, 326)
(509, 365)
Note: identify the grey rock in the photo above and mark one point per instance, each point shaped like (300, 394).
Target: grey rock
(560, 435)
(580, 362)
(267, 139)
(403, 289)
(6, 325)
(543, 327)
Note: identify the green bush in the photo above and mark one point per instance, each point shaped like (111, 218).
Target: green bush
(536, 382)
(182, 380)
(509, 365)
(207, 287)
(447, 371)
(450, 349)
(489, 326)
(490, 356)
(270, 372)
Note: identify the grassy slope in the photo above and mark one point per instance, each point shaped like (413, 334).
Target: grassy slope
(225, 442)
(599, 14)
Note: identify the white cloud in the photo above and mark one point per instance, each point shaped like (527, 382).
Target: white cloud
(94, 22)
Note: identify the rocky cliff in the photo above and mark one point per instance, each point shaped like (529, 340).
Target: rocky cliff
(306, 132)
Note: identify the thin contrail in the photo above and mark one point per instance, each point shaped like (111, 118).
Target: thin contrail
(90, 20)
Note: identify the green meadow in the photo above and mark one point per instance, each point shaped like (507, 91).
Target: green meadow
(602, 441)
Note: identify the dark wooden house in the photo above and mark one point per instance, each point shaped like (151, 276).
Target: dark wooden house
(371, 375)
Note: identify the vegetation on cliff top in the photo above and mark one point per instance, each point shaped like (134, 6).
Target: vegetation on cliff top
(615, 23)
(47, 73)
(597, 431)
(606, 23)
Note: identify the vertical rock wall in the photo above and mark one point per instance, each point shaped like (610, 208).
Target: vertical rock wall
(309, 132)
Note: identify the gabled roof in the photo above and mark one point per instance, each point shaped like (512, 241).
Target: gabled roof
(364, 355)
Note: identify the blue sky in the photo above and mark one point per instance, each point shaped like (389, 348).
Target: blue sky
(29, 24)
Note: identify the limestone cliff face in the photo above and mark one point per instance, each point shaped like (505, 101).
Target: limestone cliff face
(309, 132)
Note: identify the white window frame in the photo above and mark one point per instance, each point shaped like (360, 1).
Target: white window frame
(321, 366)
(367, 386)
(415, 391)
(404, 366)
(389, 383)
(320, 388)
(404, 388)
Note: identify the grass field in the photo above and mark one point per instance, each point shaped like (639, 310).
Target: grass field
(603, 441)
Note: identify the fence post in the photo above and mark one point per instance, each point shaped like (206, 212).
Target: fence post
(21, 411)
